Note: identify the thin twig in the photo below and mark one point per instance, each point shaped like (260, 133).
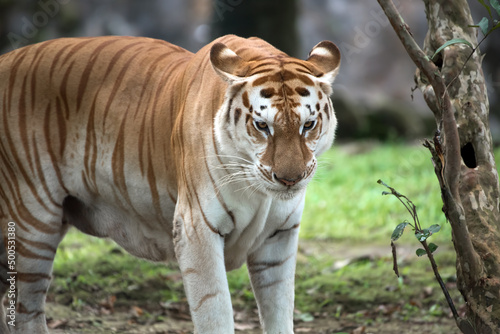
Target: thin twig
(431, 71)
(394, 259)
(440, 280)
(414, 215)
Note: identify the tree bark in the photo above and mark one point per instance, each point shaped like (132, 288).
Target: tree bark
(454, 89)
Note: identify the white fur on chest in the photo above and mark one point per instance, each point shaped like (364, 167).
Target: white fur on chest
(257, 218)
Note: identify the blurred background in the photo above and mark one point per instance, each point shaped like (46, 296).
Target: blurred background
(344, 272)
(372, 94)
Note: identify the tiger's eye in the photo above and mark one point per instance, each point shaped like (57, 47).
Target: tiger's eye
(308, 125)
(261, 125)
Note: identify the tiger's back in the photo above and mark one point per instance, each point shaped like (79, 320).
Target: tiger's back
(150, 145)
(77, 118)
(81, 121)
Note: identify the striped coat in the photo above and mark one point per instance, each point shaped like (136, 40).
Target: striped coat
(203, 158)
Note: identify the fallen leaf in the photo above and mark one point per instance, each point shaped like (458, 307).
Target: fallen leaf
(136, 311)
(108, 303)
(54, 324)
(359, 330)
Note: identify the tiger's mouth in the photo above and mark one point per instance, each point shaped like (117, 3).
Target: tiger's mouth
(286, 194)
(267, 182)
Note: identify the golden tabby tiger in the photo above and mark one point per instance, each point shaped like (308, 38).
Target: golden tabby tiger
(203, 158)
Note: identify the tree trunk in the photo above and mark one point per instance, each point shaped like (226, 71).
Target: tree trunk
(478, 186)
(454, 88)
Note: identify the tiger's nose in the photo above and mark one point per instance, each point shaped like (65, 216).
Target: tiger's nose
(287, 181)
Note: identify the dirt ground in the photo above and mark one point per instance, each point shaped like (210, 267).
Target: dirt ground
(115, 316)
(63, 320)
(124, 322)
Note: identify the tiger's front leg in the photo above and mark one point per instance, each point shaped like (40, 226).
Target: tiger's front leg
(200, 253)
(272, 273)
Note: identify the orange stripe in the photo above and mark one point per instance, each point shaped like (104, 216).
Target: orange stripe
(152, 183)
(32, 277)
(41, 175)
(189, 271)
(23, 128)
(264, 265)
(56, 59)
(13, 75)
(13, 196)
(118, 80)
(265, 173)
(26, 216)
(19, 164)
(63, 89)
(47, 131)
(204, 299)
(90, 156)
(84, 78)
(140, 109)
(61, 127)
(24, 252)
(38, 244)
(142, 143)
(205, 220)
(118, 160)
(32, 71)
(79, 43)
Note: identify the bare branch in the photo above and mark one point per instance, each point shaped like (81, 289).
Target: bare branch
(431, 71)
(416, 54)
(440, 280)
(394, 259)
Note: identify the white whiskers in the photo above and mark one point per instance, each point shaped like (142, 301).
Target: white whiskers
(237, 169)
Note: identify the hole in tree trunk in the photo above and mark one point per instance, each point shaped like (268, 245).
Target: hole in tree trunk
(438, 60)
(469, 155)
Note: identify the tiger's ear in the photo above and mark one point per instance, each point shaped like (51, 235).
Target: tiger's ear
(325, 57)
(228, 65)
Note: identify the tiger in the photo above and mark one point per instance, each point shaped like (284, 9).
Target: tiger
(201, 158)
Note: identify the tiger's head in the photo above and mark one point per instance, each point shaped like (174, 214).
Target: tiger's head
(277, 116)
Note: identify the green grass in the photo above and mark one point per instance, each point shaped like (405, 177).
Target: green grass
(91, 269)
(345, 201)
(344, 207)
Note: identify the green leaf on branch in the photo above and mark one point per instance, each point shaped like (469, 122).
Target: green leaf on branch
(432, 247)
(495, 5)
(434, 228)
(421, 252)
(398, 231)
(451, 42)
(483, 25)
(486, 6)
(423, 234)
